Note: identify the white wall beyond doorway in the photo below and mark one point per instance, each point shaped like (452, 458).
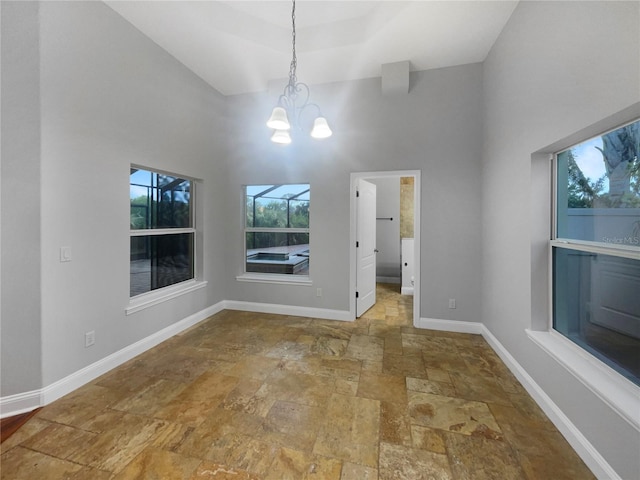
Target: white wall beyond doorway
(387, 229)
(352, 236)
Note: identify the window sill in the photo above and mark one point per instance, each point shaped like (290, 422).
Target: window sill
(612, 388)
(154, 298)
(279, 279)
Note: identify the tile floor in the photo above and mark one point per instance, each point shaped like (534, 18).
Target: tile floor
(252, 396)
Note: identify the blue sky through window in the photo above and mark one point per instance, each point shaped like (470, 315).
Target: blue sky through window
(590, 160)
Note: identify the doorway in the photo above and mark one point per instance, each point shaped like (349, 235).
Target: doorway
(356, 178)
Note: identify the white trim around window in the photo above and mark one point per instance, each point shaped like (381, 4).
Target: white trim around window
(275, 278)
(159, 295)
(156, 297)
(612, 388)
(302, 277)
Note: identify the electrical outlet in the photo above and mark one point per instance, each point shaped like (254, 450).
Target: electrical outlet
(452, 303)
(89, 338)
(318, 292)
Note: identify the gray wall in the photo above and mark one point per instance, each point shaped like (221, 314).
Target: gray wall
(108, 97)
(89, 95)
(20, 200)
(557, 68)
(436, 128)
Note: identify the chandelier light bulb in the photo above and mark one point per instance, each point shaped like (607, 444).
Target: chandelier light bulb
(321, 128)
(281, 136)
(296, 100)
(278, 119)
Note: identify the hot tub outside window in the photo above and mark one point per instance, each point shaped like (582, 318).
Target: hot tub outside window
(277, 229)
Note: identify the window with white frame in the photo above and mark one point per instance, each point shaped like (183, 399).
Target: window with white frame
(162, 234)
(595, 247)
(276, 229)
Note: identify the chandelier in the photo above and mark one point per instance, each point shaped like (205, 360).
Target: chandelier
(294, 101)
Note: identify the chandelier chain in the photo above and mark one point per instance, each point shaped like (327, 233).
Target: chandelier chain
(294, 60)
(294, 100)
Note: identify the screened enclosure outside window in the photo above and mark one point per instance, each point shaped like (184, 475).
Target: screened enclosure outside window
(596, 248)
(162, 231)
(277, 229)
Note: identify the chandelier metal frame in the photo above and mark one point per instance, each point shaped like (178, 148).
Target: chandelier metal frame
(294, 101)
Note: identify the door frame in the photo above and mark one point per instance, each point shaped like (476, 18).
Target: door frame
(416, 235)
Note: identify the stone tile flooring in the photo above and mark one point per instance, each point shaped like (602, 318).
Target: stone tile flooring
(249, 396)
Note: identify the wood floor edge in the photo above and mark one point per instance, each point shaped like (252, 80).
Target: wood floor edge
(10, 425)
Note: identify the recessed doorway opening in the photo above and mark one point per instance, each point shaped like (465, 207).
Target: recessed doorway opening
(362, 279)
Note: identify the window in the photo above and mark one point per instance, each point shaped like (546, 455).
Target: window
(596, 248)
(277, 229)
(162, 231)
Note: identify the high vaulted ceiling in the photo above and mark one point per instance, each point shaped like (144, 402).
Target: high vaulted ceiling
(239, 46)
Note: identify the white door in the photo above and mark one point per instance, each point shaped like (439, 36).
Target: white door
(365, 246)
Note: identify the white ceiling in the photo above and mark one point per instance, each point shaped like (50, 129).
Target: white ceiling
(239, 46)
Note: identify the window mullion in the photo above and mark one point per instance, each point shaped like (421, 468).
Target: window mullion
(276, 230)
(623, 251)
(277, 251)
(594, 254)
(161, 258)
(161, 231)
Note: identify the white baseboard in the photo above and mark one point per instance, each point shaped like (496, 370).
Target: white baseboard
(25, 402)
(28, 401)
(311, 312)
(587, 452)
(450, 325)
(20, 403)
(406, 291)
